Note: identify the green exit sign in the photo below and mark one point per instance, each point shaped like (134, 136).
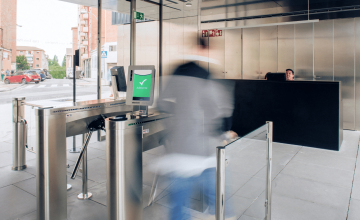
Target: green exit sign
(138, 15)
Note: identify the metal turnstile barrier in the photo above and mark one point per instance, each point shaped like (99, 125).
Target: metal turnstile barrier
(127, 137)
(19, 134)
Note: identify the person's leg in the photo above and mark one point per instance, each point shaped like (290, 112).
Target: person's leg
(179, 195)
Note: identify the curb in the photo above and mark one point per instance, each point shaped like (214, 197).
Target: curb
(12, 88)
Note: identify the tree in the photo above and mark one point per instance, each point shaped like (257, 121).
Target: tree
(50, 62)
(21, 63)
(64, 61)
(55, 61)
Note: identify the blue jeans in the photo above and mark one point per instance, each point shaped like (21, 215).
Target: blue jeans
(181, 190)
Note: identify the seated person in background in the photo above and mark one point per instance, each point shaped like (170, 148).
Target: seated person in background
(290, 76)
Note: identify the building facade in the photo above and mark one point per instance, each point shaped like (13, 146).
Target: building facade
(86, 40)
(69, 65)
(36, 57)
(8, 34)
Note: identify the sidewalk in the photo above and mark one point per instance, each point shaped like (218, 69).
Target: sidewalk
(8, 87)
(91, 82)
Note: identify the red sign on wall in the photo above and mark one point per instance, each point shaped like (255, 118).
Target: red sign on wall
(215, 33)
(205, 33)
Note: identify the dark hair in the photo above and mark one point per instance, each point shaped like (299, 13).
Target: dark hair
(202, 44)
(290, 70)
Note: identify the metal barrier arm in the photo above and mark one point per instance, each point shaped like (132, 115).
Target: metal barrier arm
(93, 126)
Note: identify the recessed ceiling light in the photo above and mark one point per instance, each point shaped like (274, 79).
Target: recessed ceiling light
(188, 4)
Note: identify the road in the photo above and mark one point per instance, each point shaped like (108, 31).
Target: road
(52, 89)
(52, 92)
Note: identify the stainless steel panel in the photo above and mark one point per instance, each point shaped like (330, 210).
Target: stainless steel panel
(217, 53)
(268, 50)
(304, 51)
(51, 170)
(357, 74)
(344, 44)
(124, 170)
(323, 50)
(251, 53)
(286, 47)
(233, 54)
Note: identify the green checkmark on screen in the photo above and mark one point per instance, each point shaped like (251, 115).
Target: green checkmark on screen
(142, 85)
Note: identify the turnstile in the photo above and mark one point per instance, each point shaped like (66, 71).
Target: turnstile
(54, 124)
(127, 136)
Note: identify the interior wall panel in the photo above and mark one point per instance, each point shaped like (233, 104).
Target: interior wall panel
(233, 54)
(357, 74)
(286, 48)
(344, 43)
(268, 50)
(217, 54)
(323, 50)
(251, 53)
(304, 51)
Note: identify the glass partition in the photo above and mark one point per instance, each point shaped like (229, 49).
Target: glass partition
(242, 171)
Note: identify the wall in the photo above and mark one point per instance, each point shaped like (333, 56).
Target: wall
(326, 50)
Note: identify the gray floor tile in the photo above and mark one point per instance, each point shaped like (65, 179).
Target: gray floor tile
(85, 209)
(99, 193)
(356, 186)
(6, 159)
(98, 145)
(5, 146)
(97, 170)
(30, 216)
(246, 217)
(15, 203)
(156, 211)
(354, 210)
(236, 206)
(233, 182)
(285, 208)
(28, 185)
(252, 189)
(76, 185)
(318, 173)
(308, 190)
(9, 176)
(288, 148)
(91, 154)
(324, 158)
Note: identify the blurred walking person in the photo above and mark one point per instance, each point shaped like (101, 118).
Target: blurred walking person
(199, 106)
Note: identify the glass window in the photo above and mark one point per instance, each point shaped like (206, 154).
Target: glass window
(37, 65)
(112, 48)
(37, 58)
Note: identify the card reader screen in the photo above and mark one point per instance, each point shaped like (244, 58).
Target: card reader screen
(142, 85)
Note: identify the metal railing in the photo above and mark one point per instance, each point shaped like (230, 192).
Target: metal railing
(221, 163)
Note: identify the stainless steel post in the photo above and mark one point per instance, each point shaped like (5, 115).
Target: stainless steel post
(99, 20)
(220, 183)
(74, 149)
(123, 170)
(132, 33)
(51, 187)
(19, 134)
(85, 194)
(269, 138)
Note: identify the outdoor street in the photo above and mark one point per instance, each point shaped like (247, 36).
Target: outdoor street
(49, 92)
(49, 89)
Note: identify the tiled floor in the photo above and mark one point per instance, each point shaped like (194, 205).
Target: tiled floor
(308, 183)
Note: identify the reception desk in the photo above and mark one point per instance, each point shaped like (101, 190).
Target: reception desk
(307, 113)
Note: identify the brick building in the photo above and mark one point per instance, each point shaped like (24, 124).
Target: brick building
(8, 34)
(86, 40)
(36, 57)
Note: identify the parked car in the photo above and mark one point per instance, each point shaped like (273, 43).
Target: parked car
(23, 77)
(41, 73)
(47, 74)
